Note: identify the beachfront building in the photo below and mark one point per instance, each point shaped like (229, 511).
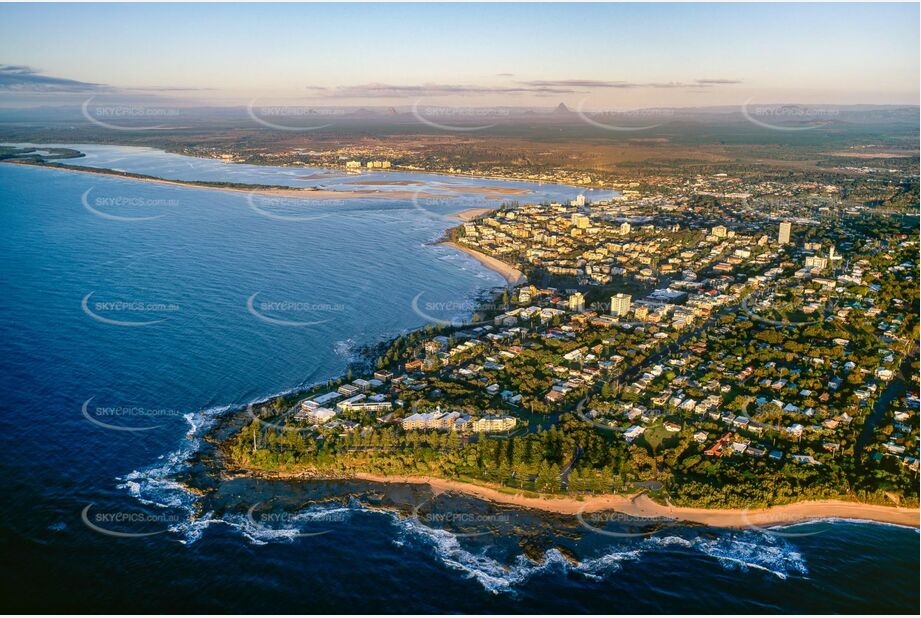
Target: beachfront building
(315, 416)
(348, 390)
(430, 420)
(356, 405)
(455, 421)
(489, 424)
(320, 400)
(346, 405)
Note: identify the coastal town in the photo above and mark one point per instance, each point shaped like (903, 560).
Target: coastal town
(461, 308)
(714, 356)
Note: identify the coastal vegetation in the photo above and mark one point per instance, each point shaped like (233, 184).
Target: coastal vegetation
(43, 162)
(37, 155)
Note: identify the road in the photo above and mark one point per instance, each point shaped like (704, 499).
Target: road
(631, 372)
(895, 388)
(564, 473)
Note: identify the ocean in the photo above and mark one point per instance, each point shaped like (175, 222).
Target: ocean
(134, 314)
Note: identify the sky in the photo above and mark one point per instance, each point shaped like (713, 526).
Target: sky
(596, 56)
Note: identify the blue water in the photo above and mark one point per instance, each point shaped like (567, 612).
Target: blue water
(345, 272)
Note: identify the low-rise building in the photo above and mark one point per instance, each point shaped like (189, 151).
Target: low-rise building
(489, 424)
(317, 416)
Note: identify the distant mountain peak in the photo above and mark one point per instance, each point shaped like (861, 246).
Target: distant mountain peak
(562, 109)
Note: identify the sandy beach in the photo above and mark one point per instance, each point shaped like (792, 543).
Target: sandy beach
(301, 194)
(470, 213)
(383, 183)
(304, 194)
(490, 190)
(512, 275)
(643, 506)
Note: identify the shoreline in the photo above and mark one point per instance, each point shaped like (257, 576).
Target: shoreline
(470, 214)
(306, 193)
(639, 505)
(344, 172)
(642, 506)
(512, 275)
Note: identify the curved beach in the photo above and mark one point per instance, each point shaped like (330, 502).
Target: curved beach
(642, 506)
(512, 275)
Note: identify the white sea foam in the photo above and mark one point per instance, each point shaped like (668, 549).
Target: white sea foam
(596, 568)
(496, 576)
(666, 541)
(845, 520)
(492, 574)
(735, 551)
(346, 349)
(743, 550)
(156, 484)
(255, 533)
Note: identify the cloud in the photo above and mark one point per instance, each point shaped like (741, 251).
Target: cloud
(532, 87)
(599, 84)
(578, 83)
(20, 78)
(431, 90)
(717, 82)
(171, 89)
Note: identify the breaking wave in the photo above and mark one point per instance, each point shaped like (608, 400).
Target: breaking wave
(156, 484)
(346, 349)
(492, 574)
(743, 551)
(842, 520)
(257, 534)
(732, 550)
(496, 576)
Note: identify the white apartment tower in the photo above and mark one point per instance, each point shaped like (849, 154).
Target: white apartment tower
(783, 236)
(620, 304)
(580, 221)
(577, 302)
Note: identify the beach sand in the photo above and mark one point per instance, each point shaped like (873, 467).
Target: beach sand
(470, 213)
(399, 183)
(512, 275)
(303, 194)
(489, 190)
(643, 506)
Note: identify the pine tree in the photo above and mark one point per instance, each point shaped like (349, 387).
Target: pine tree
(606, 390)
